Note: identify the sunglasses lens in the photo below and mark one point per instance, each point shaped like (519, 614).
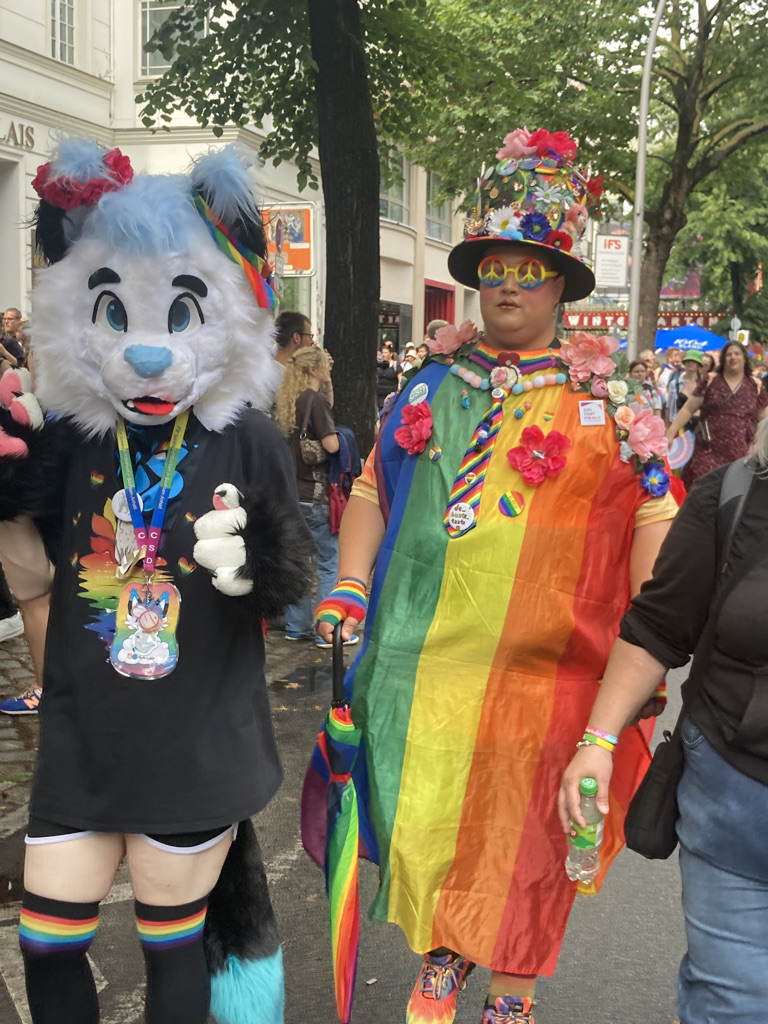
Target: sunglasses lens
(530, 274)
(492, 271)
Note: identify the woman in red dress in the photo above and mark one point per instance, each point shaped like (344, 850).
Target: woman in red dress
(731, 402)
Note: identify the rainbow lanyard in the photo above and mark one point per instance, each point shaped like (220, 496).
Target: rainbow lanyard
(148, 541)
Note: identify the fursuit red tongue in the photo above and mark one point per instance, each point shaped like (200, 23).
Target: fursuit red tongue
(154, 406)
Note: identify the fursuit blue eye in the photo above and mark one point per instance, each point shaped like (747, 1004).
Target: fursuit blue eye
(185, 314)
(108, 310)
(117, 318)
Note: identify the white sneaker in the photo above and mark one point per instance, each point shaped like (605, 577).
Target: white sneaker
(11, 627)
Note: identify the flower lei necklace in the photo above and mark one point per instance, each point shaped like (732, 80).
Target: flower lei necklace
(589, 364)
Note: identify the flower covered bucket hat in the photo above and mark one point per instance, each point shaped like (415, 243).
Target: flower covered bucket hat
(534, 196)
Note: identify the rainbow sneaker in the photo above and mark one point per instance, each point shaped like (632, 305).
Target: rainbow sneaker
(437, 988)
(509, 1010)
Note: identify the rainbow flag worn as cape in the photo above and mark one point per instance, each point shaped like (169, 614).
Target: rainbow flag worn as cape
(480, 664)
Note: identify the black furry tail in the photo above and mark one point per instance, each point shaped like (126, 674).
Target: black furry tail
(241, 940)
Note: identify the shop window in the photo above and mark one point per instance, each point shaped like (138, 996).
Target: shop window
(438, 213)
(63, 30)
(393, 201)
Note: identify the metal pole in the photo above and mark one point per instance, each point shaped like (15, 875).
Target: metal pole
(638, 223)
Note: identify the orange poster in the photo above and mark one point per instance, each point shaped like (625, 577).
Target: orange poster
(290, 235)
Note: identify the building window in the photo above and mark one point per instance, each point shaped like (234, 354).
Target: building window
(153, 14)
(438, 214)
(63, 30)
(393, 201)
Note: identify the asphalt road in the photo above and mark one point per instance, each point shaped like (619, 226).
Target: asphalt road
(618, 963)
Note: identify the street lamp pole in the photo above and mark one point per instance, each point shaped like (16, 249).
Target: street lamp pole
(638, 219)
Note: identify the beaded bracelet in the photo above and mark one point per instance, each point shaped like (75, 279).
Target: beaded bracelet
(598, 741)
(603, 735)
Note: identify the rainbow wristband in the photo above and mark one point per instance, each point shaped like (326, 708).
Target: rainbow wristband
(598, 741)
(603, 735)
(346, 600)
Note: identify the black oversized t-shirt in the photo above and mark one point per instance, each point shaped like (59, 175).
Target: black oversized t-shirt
(312, 480)
(195, 749)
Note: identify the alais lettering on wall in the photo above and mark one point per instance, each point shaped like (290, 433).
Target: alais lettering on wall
(16, 133)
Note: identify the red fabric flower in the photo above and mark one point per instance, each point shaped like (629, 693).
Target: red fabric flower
(416, 429)
(595, 187)
(538, 456)
(67, 193)
(39, 180)
(557, 142)
(120, 167)
(560, 240)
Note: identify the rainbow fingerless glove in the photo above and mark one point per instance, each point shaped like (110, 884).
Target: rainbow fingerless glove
(347, 599)
(660, 693)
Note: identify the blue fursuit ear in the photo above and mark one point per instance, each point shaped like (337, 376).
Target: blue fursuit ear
(222, 179)
(78, 159)
(249, 991)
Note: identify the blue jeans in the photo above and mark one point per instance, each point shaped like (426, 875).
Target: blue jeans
(723, 830)
(300, 618)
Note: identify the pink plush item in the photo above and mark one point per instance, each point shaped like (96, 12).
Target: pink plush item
(416, 429)
(646, 433)
(19, 400)
(11, 385)
(12, 447)
(586, 356)
(449, 338)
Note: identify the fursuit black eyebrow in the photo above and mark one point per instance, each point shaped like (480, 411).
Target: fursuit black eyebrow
(194, 284)
(103, 276)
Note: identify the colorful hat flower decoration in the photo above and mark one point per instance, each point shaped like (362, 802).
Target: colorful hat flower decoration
(534, 195)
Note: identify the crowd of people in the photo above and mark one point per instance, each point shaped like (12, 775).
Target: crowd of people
(500, 536)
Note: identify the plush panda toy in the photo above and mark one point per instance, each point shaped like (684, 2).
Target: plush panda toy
(168, 505)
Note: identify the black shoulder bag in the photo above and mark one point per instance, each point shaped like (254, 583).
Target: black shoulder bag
(649, 826)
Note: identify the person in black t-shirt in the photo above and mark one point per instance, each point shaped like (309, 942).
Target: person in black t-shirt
(168, 504)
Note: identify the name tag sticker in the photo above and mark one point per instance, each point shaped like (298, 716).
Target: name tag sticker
(592, 413)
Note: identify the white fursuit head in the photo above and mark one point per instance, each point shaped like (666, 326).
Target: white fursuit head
(141, 314)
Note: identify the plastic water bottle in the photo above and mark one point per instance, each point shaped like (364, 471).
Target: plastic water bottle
(583, 860)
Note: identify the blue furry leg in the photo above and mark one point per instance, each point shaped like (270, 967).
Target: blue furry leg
(249, 991)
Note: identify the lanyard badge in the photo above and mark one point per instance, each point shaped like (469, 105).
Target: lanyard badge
(145, 643)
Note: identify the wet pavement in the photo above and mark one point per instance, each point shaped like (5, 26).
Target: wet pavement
(618, 963)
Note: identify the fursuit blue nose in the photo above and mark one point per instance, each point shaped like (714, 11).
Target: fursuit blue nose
(148, 360)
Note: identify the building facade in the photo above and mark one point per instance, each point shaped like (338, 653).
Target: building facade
(76, 66)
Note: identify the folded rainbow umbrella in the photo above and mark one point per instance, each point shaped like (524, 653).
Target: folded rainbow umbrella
(332, 763)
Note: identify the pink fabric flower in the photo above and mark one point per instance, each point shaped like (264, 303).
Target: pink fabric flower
(646, 433)
(517, 145)
(586, 355)
(624, 417)
(449, 338)
(599, 388)
(538, 456)
(416, 429)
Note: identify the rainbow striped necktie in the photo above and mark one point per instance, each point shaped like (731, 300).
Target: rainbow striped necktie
(461, 515)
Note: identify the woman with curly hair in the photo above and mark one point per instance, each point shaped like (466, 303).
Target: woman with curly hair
(304, 412)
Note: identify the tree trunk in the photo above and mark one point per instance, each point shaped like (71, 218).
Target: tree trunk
(349, 164)
(661, 237)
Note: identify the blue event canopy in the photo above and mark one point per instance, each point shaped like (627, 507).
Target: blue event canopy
(690, 336)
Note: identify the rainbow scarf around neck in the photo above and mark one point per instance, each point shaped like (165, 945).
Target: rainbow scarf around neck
(257, 270)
